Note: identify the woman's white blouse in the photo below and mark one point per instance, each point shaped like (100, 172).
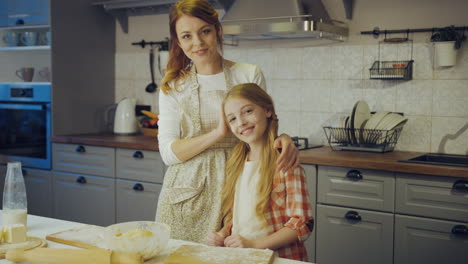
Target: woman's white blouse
(169, 109)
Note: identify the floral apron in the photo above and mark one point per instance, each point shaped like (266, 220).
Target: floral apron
(190, 199)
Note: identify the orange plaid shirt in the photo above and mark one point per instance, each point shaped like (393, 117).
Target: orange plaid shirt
(290, 207)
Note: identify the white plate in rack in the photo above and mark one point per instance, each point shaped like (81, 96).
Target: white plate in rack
(360, 114)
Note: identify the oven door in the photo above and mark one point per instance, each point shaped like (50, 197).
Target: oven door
(25, 129)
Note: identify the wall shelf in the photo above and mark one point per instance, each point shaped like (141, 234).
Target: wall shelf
(26, 48)
(25, 28)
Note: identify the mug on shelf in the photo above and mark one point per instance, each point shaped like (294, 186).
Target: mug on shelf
(12, 39)
(45, 73)
(29, 38)
(26, 74)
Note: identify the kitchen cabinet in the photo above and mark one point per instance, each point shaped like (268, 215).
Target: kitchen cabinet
(350, 235)
(431, 221)
(311, 180)
(355, 215)
(104, 185)
(358, 188)
(24, 12)
(371, 216)
(426, 240)
(136, 201)
(84, 198)
(27, 12)
(83, 159)
(3, 13)
(39, 191)
(140, 175)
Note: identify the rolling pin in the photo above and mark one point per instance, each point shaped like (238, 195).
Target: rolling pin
(72, 256)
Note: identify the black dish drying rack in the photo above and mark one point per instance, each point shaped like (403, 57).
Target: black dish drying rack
(360, 139)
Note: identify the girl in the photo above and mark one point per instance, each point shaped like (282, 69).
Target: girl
(261, 208)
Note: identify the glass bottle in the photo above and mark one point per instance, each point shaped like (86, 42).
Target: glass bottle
(15, 204)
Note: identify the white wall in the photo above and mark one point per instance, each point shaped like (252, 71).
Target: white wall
(313, 83)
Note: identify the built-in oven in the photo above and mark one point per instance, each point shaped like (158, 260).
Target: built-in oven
(25, 124)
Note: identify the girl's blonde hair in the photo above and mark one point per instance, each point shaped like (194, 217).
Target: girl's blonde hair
(269, 155)
(178, 62)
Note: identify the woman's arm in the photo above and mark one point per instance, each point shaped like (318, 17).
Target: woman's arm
(278, 239)
(186, 149)
(173, 149)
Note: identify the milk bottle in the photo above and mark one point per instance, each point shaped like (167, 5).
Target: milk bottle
(15, 207)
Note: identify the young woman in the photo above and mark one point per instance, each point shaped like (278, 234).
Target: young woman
(194, 140)
(261, 207)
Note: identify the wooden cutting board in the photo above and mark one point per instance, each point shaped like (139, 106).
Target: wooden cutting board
(31, 242)
(200, 254)
(87, 236)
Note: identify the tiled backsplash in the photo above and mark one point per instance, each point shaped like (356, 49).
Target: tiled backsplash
(314, 85)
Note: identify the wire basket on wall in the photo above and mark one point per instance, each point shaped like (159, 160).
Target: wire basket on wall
(394, 69)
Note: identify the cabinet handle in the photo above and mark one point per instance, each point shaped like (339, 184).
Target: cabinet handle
(354, 175)
(19, 21)
(80, 149)
(353, 215)
(81, 179)
(138, 187)
(460, 185)
(460, 230)
(138, 155)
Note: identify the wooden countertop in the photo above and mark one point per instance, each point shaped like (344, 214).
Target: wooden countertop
(379, 161)
(319, 156)
(109, 140)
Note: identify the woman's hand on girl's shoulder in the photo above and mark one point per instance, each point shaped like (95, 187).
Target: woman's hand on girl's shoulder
(289, 157)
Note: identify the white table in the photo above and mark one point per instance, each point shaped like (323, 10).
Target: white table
(42, 226)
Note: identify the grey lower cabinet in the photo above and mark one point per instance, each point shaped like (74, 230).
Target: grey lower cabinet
(105, 185)
(371, 216)
(136, 201)
(139, 181)
(426, 240)
(350, 235)
(354, 215)
(311, 181)
(431, 224)
(39, 191)
(84, 198)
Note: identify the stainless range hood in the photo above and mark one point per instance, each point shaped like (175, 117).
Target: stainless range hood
(250, 19)
(281, 19)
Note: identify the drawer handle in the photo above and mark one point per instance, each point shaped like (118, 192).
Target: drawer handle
(81, 180)
(460, 185)
(138, 187)
(354, 175)
(80, 149)
(138, 155)
(353, 215)
(460, 230)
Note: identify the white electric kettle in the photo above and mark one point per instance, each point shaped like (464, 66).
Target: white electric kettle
(125, 122)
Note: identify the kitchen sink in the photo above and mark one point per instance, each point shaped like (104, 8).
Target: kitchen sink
(440, 159)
